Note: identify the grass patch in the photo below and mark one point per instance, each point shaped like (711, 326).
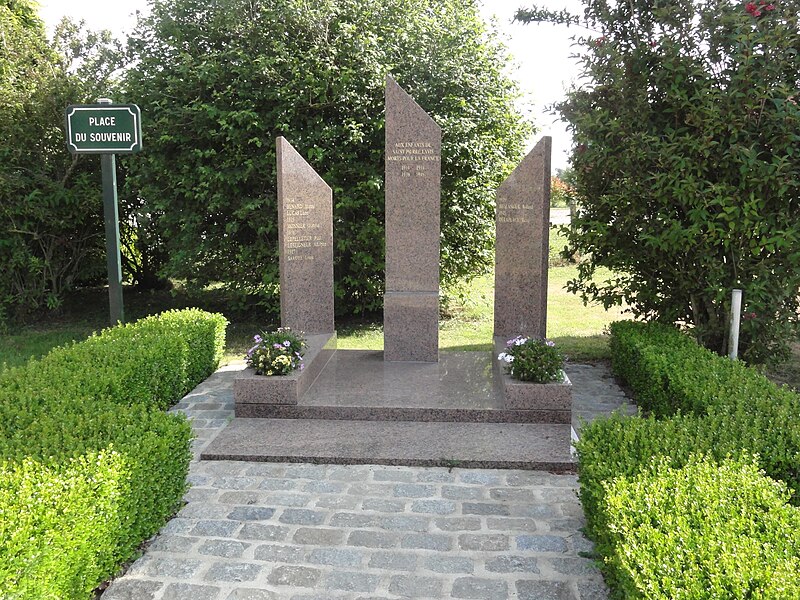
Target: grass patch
(468, 325)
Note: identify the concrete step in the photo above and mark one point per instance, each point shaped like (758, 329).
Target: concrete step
(538, 446)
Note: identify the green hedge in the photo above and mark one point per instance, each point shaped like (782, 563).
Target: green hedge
(698, 403)
(706, 531)
(89, 418)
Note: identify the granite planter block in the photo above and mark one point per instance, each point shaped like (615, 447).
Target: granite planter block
(551, 399)
(249, 388)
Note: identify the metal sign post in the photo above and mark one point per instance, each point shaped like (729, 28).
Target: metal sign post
(107, 129)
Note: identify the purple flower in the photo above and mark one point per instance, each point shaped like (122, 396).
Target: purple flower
(549, 343)
(257, 339)
(287, 343)
(277, 346)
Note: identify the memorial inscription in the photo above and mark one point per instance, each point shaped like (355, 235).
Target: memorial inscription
(521, 248)
(305, 240)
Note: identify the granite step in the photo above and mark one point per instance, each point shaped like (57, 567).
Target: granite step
(538, 446)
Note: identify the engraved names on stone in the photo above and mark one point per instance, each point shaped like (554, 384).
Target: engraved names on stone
(413, 179)
(305, 240)
(521, 249)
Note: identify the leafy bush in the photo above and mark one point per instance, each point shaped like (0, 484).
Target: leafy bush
(705, 531)
(238, 73)
(276, 352)
(89, 413)
(534, 360)
(686, 162)
(699, 403)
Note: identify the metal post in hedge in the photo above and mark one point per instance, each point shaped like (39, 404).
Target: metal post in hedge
(736, 314)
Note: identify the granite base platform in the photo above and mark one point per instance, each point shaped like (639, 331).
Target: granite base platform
(360, 385)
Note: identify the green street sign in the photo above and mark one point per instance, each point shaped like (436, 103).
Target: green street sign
(104, 128)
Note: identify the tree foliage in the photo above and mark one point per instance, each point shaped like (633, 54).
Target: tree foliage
(50, 207)
(687, 162)
(219, 81)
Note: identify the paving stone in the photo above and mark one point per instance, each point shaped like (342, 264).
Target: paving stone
(484, 508)
(512, 494)
(486, 543)
(389, 474)
(234, 483)
(552, 494)
(215, 528)
(383, 505)
(513, 564)
(370, 490)
(351, 581)
(536, 511)
(436, 507)
(278, 553)
(173, 543)
(544, 590)
(458, 524)
(305, 472)
(190, 591)
(132, 589)
(372, 539)
(434, 475)
(480, 477)
(318, 537)
(178, 525)
(449, 564)
(324, 487)
(251, 594)
(592, 590)
(202, 511)
(427, 541)
(403, 523)
(251, 513)
(264, 533)
(569, 524)
(200, 495)
(414, 490)
(277, 485)
(475, 588)
(518, 524)
(573, 566)
(349, 473)
(178, 568)
(223, 548)
(300, 516)
(233, 572)
(294, 575)
(336, 557)
(240, 497)
(409, 586)
(394, 561)
(288, 499)
(353, 520)
(462, 492)
(338, 502)
(265, 470)
(541, 543)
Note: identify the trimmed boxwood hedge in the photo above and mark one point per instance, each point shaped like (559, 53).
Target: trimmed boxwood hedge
(697, 403)
(90, 464)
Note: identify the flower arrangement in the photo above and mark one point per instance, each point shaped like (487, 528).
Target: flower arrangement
(533, 360)
(276, 353)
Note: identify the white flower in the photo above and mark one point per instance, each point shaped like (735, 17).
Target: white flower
(505, 357)
(520, 340)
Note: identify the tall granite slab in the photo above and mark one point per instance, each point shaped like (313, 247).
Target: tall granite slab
(305, 241)
(413, 193)
(522, 246)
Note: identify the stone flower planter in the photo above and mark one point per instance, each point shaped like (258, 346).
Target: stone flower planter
(552, 400)
(249, 388)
